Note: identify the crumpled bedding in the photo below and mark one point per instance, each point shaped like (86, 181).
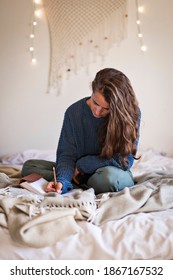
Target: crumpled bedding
(19, 158)
(136, 223)
(29, 216)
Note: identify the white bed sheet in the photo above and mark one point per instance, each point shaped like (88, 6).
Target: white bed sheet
(137, 236)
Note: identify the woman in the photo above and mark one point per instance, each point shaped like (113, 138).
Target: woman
(98, 140)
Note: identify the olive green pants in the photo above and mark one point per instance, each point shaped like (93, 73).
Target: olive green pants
(105, 179)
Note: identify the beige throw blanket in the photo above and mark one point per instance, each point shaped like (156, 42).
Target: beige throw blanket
(40, 221)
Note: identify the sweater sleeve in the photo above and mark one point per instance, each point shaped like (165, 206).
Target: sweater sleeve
(66, 155)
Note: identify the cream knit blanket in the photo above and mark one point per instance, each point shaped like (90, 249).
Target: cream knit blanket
(40, 221)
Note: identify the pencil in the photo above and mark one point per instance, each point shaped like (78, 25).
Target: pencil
(54, 175)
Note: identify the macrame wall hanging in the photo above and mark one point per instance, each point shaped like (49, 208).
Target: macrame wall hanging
(81, 31)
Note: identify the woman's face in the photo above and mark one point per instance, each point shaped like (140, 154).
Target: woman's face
(98, 105)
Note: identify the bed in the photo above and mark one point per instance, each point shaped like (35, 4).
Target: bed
(136, 223)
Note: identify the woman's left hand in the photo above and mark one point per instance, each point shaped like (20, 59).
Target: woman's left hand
(76, 173)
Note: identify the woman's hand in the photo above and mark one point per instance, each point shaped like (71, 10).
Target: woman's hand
(52, 187)
(76, 173)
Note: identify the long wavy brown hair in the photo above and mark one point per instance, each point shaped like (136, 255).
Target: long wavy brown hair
(120, 131)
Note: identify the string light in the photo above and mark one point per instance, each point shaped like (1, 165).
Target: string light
(37, 13)
(33, 60)
(31, 49)
(138, 22)
(37, 1)
(34, 23)
(140, 9)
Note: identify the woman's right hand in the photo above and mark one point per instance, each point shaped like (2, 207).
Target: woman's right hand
(52, 187)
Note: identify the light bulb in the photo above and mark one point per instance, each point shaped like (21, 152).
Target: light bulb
(34, 23)
(34, 60)
(31, 35)
(138, 21)
(37, 1)
(143, 48)
(38, 13)
(31, 49)
(140, 35)
(141, 9)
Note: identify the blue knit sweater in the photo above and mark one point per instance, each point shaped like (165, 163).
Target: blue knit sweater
(79, 145)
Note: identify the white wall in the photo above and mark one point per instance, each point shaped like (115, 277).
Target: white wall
(31, 119)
